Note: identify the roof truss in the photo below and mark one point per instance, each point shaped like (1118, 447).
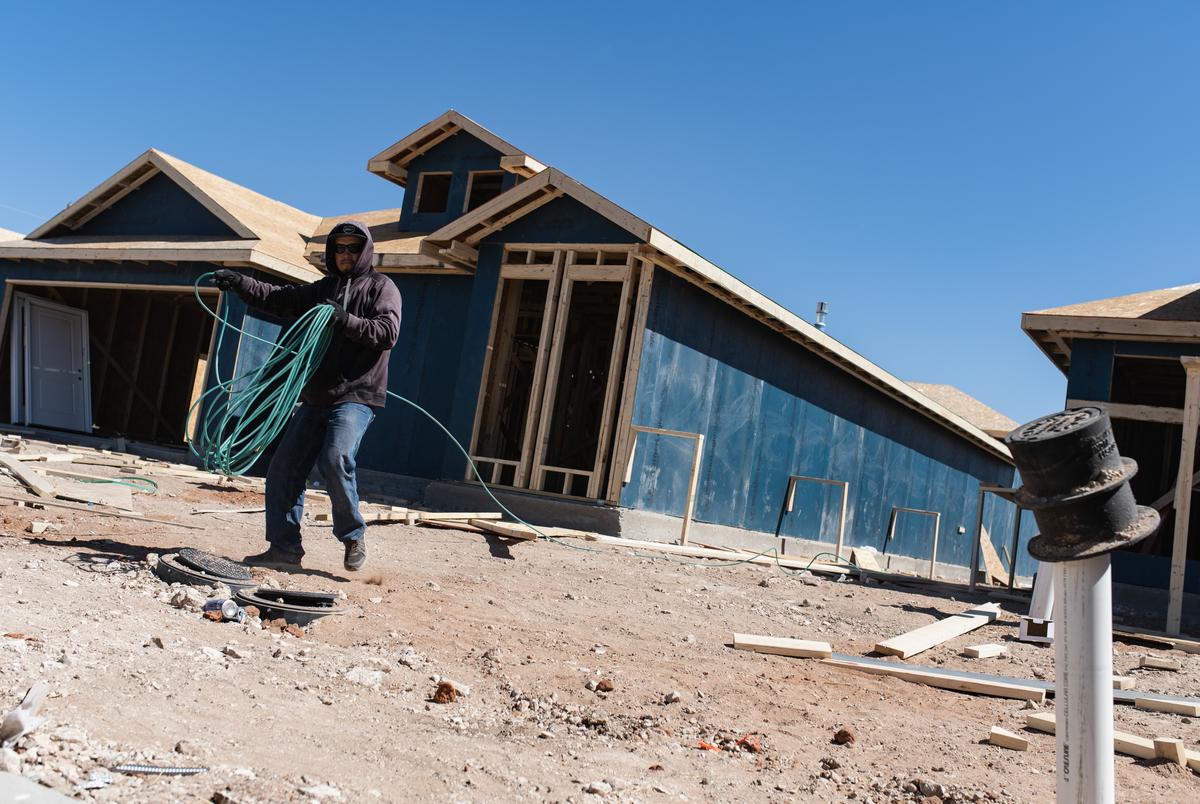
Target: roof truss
(125, 181)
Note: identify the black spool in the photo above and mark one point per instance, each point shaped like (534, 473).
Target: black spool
(1077, 485)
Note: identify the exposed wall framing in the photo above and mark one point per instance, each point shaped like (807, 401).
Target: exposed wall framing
(146, 344)
(567, 425)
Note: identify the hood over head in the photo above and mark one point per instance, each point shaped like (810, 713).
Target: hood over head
(358, 229)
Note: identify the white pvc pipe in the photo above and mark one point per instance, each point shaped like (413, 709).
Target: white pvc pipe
(1083, 678)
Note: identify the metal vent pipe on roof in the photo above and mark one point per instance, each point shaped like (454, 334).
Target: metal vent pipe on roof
(822, 312)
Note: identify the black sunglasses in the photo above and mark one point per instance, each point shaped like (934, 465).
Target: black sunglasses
(342, 248)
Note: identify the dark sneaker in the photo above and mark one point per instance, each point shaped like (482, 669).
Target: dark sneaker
(356, 554)
(274, 558)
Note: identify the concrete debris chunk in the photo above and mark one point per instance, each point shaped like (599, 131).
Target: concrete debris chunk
(188, 599)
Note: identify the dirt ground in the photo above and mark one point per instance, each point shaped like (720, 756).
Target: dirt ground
(524, 630)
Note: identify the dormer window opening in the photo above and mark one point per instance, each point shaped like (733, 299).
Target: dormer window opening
(433, 192)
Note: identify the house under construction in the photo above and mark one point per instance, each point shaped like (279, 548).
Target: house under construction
(594, 366)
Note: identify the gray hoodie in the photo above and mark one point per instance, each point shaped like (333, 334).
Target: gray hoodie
(355, 368)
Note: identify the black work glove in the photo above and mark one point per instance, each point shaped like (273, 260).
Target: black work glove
(226, 279)
(340, 316)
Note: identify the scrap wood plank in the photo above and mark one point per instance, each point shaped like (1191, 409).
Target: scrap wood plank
(1170, 749)
(984, 651)
(991, 560)
(927, 636)
(451, 524)
(512, 530)
(429, 516)
(1124, 682)
(725, 555)
(1165, 640)
(1159, 663)
(1174, 707)
(96, 511)
(30, 479)
(41, 457)
(782, 646)
(229, 510)
(944, 679)
(1006, 739)
(1123, 742)
(110, 494)
(865, 559)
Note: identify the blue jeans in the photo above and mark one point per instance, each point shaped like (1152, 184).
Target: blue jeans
(328, 437)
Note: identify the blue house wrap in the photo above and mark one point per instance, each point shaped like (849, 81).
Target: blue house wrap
(541, 323)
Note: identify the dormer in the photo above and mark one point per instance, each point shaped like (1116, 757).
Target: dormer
(449, 167)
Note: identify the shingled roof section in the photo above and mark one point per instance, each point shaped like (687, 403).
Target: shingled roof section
(1168, 304)
(282, 230)
(990, 421)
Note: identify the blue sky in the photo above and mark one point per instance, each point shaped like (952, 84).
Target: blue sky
(930, 169)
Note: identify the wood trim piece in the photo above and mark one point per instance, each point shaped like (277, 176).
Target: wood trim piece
(1140, 413)
(928, 636)
(1095, 326)
(522, 165)
(113, 286)
(780, 646)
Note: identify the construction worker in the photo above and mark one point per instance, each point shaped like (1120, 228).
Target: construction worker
(340, 400)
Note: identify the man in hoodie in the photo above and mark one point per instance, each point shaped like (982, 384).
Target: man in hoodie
(341, 398)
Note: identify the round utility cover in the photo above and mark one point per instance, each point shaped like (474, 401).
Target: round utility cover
(211, 564)
(171, 570)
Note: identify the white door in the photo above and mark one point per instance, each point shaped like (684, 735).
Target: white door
(53, 368)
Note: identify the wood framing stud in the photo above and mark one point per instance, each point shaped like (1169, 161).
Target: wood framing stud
(1183, 493)
(790, 500)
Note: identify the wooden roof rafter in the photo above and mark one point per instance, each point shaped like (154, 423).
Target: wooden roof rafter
(392, 162)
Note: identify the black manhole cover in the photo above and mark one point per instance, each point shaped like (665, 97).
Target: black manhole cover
(212, 564)
(296, 607)
(171, 570)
